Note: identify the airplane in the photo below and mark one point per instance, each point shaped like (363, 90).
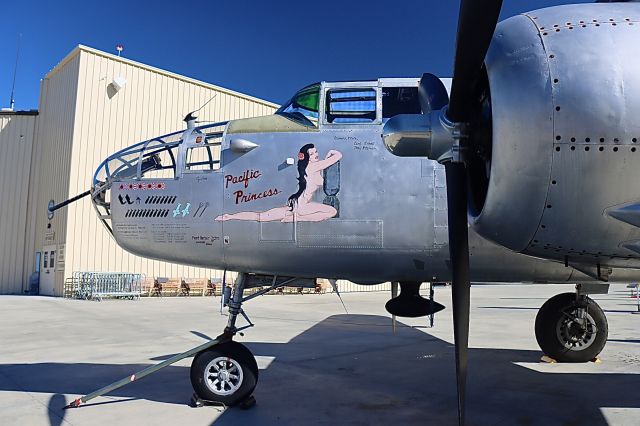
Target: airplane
(402, 180)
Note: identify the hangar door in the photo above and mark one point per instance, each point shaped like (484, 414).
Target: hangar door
(48, 270)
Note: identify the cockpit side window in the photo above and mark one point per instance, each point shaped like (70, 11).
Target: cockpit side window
(303, 107)
(203, 158)
(400, 100)
(202, 152)
(351, 106)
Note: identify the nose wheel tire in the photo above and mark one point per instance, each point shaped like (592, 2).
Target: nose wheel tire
(569, 331)
(226, 373)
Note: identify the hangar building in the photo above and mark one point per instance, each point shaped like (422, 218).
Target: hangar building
(91, 104)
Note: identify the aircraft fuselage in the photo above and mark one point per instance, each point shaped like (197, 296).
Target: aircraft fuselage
(363, 214)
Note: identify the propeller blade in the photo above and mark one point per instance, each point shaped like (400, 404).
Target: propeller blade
(394, 293)
(476, 24)
(460, 285)
(431, 93)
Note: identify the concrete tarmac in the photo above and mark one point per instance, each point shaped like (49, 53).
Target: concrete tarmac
(319, 366)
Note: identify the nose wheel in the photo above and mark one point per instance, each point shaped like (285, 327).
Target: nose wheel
(225, 374)
(571, 328)
(223, 371)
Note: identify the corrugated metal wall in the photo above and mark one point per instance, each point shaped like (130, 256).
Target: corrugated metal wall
(151, 103)
(51, 161)
(16, 143)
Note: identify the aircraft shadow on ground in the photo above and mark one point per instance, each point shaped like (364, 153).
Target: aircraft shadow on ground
(351, 369)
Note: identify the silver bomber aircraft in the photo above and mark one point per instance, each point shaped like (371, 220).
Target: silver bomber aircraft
(404, 180)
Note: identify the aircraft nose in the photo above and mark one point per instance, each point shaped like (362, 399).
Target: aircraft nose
(125, 169)
(142, 165)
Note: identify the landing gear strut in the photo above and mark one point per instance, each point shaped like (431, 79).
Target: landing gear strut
(571, 327)
(227, 373)
(223, 371)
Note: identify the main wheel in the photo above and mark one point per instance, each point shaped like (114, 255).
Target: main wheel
(568, 331)
(226, 373)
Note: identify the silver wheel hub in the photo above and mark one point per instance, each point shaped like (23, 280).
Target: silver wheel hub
(577, 329)
(223, 376)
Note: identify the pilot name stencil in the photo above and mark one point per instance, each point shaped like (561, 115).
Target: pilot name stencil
(345, 138)
(364, 146)
(207, 240)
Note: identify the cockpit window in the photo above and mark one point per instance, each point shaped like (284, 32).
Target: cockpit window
(303, 107)
(400, 100)
(351, 106)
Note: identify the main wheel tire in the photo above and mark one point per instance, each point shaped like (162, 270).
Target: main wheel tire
(566, 338)
(226, 373)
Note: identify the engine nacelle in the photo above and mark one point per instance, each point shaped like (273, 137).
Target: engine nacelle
(565, 105)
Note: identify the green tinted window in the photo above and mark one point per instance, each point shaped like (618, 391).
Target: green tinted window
(308, 99)
(303, 107)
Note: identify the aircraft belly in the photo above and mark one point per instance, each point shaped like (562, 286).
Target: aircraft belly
(359, 265)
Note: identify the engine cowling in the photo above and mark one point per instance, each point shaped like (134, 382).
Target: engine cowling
(564, 87)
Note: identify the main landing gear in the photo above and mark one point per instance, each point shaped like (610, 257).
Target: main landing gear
(571, 327)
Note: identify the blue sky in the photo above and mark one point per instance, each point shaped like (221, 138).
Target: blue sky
(267, 49)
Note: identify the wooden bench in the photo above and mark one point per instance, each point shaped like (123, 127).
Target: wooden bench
(192, 286)
(197, 286)
(147, 285)
(214, 287)
(162, 286)
(171, 286)
(157, 287)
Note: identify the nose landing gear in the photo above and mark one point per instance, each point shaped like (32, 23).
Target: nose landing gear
(223, 372)
(227, 373)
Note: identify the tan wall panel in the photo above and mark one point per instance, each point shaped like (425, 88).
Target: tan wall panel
(152, 102)
(32, 202)
(51, 159)
(16, 144)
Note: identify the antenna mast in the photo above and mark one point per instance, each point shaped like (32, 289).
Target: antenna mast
(12, 101)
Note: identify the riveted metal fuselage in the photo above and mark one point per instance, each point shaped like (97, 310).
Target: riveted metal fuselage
(389, 223)
(565, 98)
